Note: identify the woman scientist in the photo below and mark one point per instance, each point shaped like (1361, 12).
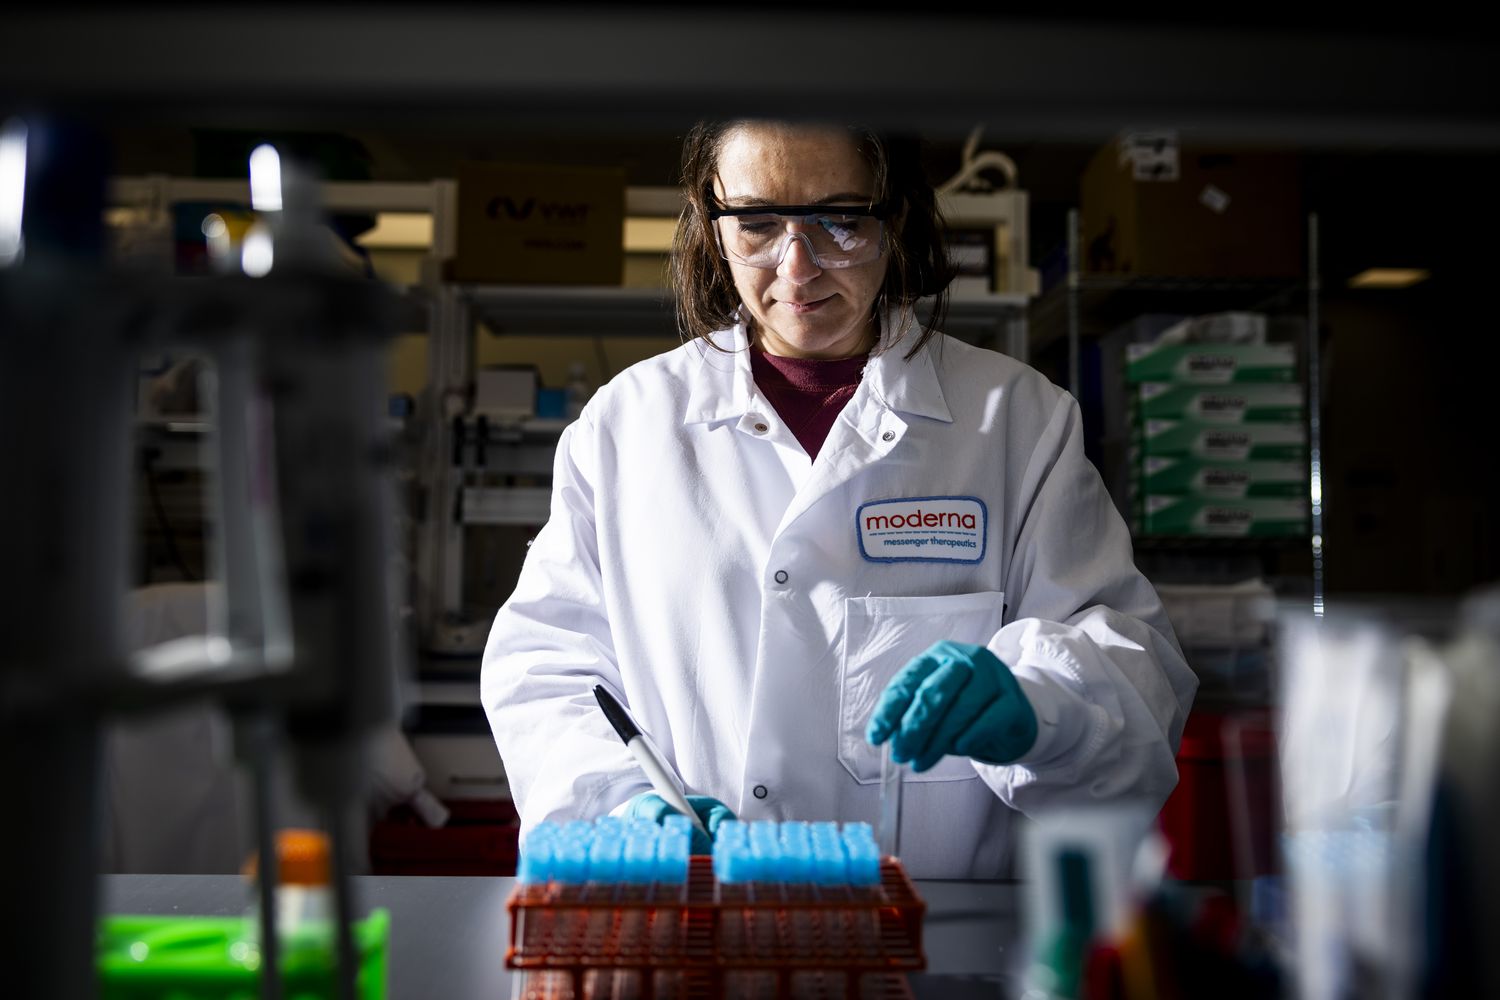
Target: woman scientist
(818, 526)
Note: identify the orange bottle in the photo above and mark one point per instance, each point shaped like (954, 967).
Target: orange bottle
(304, 899)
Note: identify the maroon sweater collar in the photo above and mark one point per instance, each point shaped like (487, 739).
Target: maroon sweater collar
(806, 374)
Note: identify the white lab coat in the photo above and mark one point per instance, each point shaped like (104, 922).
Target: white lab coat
(697, 562)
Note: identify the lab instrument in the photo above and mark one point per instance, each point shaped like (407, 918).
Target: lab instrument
(892, 776)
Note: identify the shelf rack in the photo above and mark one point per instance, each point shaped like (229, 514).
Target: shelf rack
(449, 313)
(996, 321)
(1103, 302)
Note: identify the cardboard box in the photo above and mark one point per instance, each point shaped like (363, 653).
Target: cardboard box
(1195, 477)
(1269, 442)
(1225, 213)
(1250, 402)
(524, 224)
(1250, 517)
(506, 392)
(1220, 616)
(1219, 328)
(1210, 364)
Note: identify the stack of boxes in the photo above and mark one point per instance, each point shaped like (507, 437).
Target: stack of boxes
(1218, 432)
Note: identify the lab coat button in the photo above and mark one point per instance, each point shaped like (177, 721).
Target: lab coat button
(781, 576)
(759, 791)
(888, 436)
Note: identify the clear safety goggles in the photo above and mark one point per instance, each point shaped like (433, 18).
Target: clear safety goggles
(836, 237)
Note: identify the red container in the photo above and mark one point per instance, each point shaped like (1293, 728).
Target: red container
(481, 838)
(1226, 790)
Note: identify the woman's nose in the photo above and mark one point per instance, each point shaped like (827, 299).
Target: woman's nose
(798, 264)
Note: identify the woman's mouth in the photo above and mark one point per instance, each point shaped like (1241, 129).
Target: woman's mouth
(802, 308)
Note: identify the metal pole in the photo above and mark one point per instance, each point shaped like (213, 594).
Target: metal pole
(347, 967)
(260, 733)
(1314, 412)
(1073, 288)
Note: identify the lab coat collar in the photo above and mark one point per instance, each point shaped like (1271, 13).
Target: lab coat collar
(907, 386)
(725, 387)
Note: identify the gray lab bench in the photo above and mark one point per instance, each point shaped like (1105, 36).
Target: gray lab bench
(448, 935)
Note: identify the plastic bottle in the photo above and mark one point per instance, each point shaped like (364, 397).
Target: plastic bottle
(578, 389)
(304, 899)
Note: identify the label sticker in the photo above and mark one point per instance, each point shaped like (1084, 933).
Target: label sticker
(1214, 199)
(1208, 367)
(922, 529)
(1219, 406)
(1151, 156)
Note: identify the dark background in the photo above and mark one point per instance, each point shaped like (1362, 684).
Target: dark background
(1397, 123)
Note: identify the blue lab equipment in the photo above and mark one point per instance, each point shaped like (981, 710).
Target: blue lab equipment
(639, 860)
(797, 853)
(605, 856)
(642, 828)
(709, 812)
(672, 855)
(611, 851)
(681, 824)
(864, 860)
(830, 863)
(572, 861)
(538, 855)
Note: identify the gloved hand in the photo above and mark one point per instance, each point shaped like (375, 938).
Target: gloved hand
(649, 805)
(955, 698)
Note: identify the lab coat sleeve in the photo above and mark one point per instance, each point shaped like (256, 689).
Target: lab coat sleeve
(1088, 640)
(549, 645)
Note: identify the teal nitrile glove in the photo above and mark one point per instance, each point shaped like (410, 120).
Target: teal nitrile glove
(955, 698)
(649, 805)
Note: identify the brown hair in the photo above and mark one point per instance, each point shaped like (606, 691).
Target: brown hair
(916, 263)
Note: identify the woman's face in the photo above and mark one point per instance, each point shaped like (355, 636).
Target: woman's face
(800, 310)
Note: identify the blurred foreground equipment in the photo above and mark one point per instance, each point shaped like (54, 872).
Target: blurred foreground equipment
(301, 644)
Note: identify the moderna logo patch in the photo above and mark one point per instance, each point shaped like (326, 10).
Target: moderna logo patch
(922, 529)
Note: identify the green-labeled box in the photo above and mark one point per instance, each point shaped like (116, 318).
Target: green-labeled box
(1210, 364)
(1246, 402)
(1268, 442)
(1194, 477)
(1252, 517)
(216, 958)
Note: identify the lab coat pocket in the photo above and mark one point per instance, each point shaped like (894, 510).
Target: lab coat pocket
(881, 635)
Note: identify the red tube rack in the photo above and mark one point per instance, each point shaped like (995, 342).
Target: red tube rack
(704, 939)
